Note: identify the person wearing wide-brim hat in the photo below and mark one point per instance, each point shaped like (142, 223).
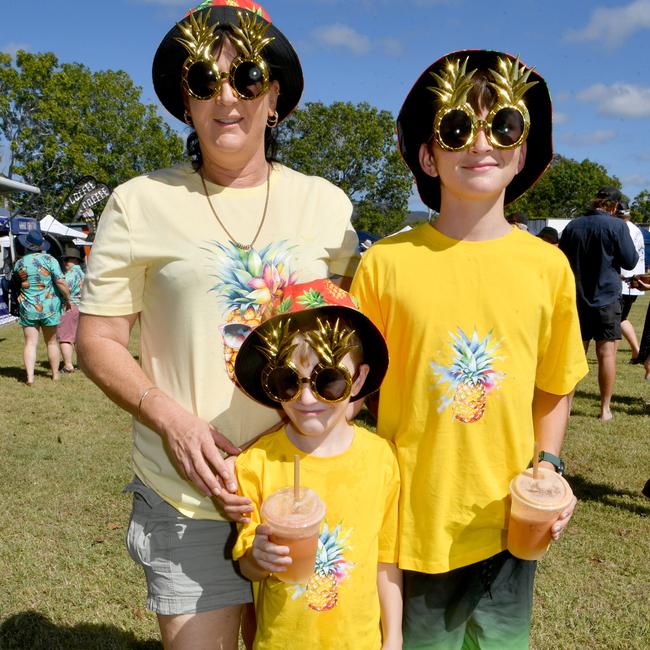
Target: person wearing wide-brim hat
(200, 253)
(67, 330)
(483, 335)
(43, 296)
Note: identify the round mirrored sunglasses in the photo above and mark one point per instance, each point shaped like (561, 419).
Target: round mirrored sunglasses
(248, 78)
(505, 127)
(329, 384)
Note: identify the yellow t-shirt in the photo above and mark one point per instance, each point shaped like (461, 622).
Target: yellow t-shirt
(338, 607)
(472, 328)
(160, 252)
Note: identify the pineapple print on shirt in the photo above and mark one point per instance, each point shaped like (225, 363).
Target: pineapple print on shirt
(249, 285)
(330, 569)
(471, 377)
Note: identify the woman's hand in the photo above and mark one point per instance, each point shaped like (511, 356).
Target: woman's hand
(194, 445)
(563, 521)
(267, 555)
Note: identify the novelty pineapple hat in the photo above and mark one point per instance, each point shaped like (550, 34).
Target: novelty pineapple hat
(415, 122)
(299, 309)
(279, 54)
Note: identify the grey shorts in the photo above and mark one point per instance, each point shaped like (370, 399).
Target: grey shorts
(187, 562)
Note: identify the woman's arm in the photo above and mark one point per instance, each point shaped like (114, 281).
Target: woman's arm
(103, 355)
(64, 290)
(389, 586)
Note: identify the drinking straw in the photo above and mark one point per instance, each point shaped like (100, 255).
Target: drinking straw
(535, 461)
(296, 478)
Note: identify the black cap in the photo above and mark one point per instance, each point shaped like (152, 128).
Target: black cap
(609, 193)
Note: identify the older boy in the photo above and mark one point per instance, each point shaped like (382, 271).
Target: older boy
(312, 359)
(481, 325)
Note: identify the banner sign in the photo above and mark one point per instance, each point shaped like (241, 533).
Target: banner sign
(99, 193)
(80, 189)
(22, 225)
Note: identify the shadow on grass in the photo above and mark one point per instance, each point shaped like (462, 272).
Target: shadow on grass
(586, 490)
(15, 372)
(18, 372)
(632, 405)
(32, 630)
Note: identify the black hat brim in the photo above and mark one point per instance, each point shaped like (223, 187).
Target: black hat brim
(279, 54)
(415, 126)
(251, 361)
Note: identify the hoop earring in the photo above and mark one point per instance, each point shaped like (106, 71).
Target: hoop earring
(187, 118)
(273, 120)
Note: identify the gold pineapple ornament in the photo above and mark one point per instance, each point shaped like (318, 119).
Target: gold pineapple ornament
(511, 82)
(453, 84)
(250, 37)
(199, 39)
(331, 342)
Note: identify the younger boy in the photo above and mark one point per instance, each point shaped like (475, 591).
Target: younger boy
(312, 359)
(481, 325)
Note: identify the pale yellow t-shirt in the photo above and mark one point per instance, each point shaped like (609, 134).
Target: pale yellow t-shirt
(338, 608)
(472, 328)
(160, 252)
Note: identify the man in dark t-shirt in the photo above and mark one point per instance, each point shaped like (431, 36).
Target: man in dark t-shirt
(598, 247)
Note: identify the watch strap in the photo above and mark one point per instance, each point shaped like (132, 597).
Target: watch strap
(556, 461)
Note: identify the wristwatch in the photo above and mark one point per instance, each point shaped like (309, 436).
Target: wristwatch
(556, 461)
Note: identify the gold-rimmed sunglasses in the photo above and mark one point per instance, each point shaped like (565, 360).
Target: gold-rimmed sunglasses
(330, 381)
(505, 127)
(456, 124)
(249, 73)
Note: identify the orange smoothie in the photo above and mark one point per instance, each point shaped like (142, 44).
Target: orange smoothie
(536, 503)
(303, 555)
(295, 523)
(528, 540)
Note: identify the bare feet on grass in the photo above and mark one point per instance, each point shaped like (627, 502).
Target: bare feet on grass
(605, 414)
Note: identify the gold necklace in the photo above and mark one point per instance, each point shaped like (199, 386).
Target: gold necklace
(243, 247)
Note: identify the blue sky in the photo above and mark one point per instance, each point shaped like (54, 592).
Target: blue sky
(594, 55)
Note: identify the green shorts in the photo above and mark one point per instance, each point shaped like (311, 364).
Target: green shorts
(50, 321)
(485, 605)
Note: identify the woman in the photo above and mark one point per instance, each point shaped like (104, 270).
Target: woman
(200, 254)
(42, 296)
(66, 333)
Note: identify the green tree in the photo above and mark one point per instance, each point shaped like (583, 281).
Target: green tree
(63, 121)
(640, 207)
(354, 147)
(565, 190)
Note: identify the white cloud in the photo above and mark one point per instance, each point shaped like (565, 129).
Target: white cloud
(636, 180)
(12, 48)
(613, 26)
(560, 118)
(342, 36)
(619, 99)
(391, 46)
(586, 139)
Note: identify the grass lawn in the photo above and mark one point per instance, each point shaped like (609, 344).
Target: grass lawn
(69, 584)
